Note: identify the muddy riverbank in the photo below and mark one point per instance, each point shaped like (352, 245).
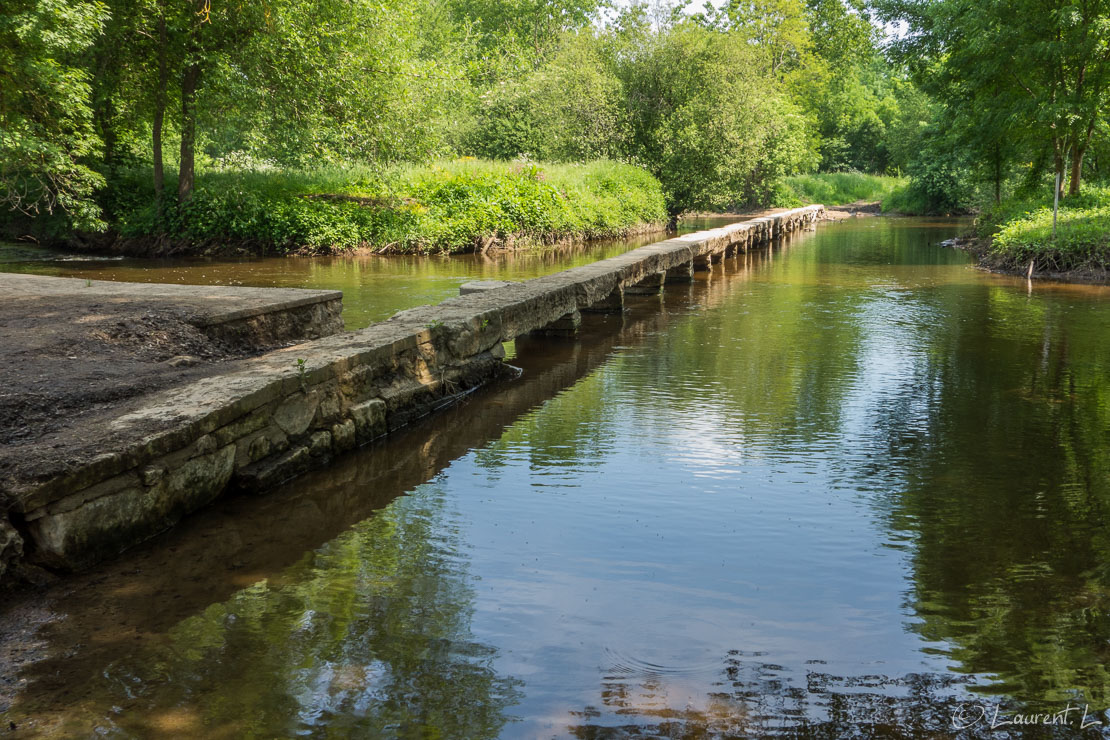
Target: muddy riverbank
(85, 352)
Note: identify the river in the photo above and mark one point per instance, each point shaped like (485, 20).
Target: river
(847, 486)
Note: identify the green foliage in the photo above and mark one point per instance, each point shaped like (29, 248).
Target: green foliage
(578, 104)
(839, 188)
(525, 30)
(777, 29)
(1020, 80)
(301, 374)
(1082, 240)
(704, 120)
(258, 101)
(338, 81)
(991, 221)
(447, 207)
(1020, 230)
(858, 113)
(941, 181)
(46, 132)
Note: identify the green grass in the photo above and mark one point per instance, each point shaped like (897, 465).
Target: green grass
(840, 188)
(449, 206)
(1021, 232)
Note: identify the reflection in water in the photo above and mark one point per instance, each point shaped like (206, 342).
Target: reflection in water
(347, 641)
(851, 487)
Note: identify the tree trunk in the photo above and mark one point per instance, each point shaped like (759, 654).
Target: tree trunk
(186, 172)
(103, 117)
(105, 84)
(1076, 170)
(160, 114)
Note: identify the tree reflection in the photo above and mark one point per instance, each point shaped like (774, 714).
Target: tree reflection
(367, 636)
(760, 700)
(998, 470)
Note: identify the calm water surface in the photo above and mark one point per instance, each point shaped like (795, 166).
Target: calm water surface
(849, 487)
(374, 286)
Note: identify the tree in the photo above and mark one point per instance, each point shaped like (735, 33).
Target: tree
(46, 129)
(704, 117)
(577, 103)
(777, 28)
(1035, 71)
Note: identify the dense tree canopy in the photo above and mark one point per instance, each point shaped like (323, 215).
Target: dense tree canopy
(46, 131)
(1022, 83)
(719, 103)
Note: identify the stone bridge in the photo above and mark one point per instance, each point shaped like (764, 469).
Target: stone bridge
(278, 415)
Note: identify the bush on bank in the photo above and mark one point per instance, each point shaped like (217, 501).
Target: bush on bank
(1020, 231)
(451, 206)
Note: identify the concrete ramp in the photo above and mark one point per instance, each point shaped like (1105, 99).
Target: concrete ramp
(257, 316)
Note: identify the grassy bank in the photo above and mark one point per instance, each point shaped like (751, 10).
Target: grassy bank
(450, 206)
(841, 188)
(1020, 231)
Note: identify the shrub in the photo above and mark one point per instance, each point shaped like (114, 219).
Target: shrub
(447, 206)
(1082, 240)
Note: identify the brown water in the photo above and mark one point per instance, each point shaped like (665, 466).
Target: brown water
(374, 286)
(850, 487)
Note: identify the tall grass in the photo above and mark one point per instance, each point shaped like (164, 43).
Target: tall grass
(840, 188)
(449, 206)
(1020, 232)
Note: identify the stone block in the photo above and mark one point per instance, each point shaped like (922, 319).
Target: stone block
(481, 286)
(683, 273)
(611, 303)
(11, 546)
(343, 436)
(650, 285)
(266, 474)
(254, 447)
(297, 412)
(369, 419)
(106, 525)
(319, 444)
(152, 475)
(249, 424)
(564, 326)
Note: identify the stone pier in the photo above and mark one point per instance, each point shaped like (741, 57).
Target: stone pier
(280, 414)
(651, 285)
(684, 273)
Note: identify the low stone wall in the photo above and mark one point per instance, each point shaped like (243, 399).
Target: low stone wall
(293, 409)
(293, 320)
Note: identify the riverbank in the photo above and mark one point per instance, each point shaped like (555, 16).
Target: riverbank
(854, 193)
(989, 260)
(135, 469)
(449, 207)
(1018, 238)
(83, 351)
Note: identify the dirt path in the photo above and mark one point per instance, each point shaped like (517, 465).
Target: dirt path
(78, 350)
